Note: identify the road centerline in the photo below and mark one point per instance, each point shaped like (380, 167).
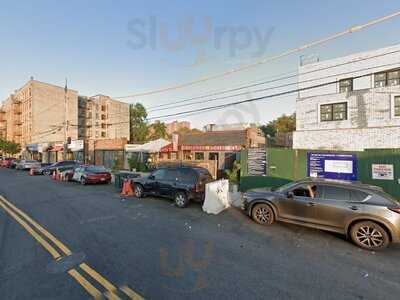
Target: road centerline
(23, 219)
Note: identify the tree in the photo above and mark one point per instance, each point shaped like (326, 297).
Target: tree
(283, 124)
(185, 130)
(157, 130)
(278, 127)
(8, 147)
(138, 124)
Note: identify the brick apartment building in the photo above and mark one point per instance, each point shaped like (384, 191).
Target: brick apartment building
(34, 116)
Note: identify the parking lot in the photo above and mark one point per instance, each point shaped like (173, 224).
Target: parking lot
(162, 252)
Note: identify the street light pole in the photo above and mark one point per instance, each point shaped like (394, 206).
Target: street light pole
(65, 121)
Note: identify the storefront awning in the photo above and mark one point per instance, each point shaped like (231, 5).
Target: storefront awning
(32, 147)
(150, 147)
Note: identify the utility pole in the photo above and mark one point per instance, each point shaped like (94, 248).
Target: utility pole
(65, 121)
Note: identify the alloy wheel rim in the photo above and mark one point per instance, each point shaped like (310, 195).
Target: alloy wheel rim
(180, 200)
(138, 191)
(263, 215)
(369, 236)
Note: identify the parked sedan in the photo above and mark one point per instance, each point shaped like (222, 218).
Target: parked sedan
(6, 162)
(27, 164)
(366, 214)
(61, 166)
(91, 174)
(182, 184)
(39, 170)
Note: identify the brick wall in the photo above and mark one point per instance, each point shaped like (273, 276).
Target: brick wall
(370, 122)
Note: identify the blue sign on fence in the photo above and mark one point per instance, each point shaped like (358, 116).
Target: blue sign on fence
(332, 166)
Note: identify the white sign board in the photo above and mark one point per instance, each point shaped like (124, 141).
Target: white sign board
(382, 172)
(76, 145)
(339, 166)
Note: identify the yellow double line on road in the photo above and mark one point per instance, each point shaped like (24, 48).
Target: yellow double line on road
(37, 232)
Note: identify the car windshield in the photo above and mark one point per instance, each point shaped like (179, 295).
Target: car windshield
(96, 169)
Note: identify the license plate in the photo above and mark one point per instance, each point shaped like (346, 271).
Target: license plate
(102, 179)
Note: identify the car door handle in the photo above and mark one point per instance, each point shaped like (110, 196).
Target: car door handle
(353, 207)
(311, 204)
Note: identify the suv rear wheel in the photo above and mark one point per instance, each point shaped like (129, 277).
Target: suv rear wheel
(369, 235)
(138, 190)
(263, 214)
(181, 200)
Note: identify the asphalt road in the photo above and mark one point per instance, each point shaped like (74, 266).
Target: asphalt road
(162, 252)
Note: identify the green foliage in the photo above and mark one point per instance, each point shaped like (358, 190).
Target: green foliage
(138, 125)
(158, 130)
(8, 147)
(115, 165)
(283, 124)
(134, 163)
(233, 175)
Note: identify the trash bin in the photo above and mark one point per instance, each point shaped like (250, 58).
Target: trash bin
(121, 176)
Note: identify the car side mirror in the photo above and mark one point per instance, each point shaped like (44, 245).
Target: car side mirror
(290, 195)
(151, 177)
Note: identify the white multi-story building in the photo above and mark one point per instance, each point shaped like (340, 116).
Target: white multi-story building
(361, 110)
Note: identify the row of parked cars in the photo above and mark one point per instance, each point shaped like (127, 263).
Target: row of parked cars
(364, 213)
(74, 170)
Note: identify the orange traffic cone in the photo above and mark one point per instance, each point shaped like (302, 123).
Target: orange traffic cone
(54, 175)
(127, 188)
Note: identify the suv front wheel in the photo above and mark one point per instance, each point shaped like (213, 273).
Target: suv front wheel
(369, 235)
(263, 214)
(181, 200)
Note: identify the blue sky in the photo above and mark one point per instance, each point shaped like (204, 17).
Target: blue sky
(90, 42)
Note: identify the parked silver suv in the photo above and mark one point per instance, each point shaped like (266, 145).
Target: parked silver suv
(27, 164)
(366, 214)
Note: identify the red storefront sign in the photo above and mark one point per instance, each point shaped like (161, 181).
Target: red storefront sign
(170, 148)
(210, 148)
(57, 147)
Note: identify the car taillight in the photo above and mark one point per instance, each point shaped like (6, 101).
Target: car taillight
(197, 188)
(397, 210)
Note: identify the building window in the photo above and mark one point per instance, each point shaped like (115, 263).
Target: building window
(345, 85)
(394, 78)
(334, 112)
(199, 156)
(103, 117)
(103, 134)
(103, 126)
(388, 78)
(380, 79)
(103, 108)
(187, 155)
(396, 106)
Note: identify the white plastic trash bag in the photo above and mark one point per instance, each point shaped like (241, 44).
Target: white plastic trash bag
(217, 197)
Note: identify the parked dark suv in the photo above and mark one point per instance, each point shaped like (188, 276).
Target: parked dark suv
(182, 184)
(366, 214)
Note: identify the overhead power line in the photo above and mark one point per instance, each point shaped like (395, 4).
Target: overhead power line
(216, 107)
(269, 59)
(280, 86)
